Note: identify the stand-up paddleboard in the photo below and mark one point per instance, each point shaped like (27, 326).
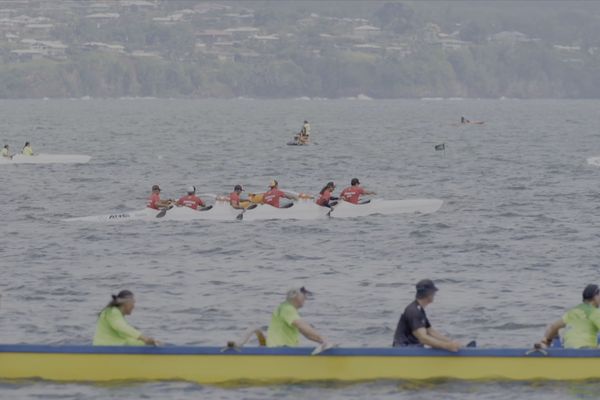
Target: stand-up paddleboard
(386, 207)
(46, 159)
(595, 161)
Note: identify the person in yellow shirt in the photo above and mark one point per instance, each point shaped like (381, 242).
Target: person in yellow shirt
(286, 324)
(6, 152)
(27, 150)
(113, 330)
(582, 323)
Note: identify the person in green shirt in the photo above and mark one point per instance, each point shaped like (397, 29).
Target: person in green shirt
(27, 150)
(582, 323)
(113, 330)
(6, 152)
(286, 324)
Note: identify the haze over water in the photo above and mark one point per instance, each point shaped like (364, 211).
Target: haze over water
(512, 247)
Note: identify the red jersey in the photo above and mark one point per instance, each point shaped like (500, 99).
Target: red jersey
(352, 194)
(323, 199)
(272, 197)
(234, 198)
(153, 201)
(191, 201)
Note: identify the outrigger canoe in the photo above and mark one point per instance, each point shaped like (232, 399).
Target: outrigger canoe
(301, 210)
(46, 159)
(214, 365)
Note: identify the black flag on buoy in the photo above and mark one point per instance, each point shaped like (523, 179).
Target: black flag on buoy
(440, 147)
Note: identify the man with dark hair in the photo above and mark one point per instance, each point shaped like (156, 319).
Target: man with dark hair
(582, 323)
(414, 328)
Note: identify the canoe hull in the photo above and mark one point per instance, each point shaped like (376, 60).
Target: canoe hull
(386, 207)
(211, 366)
(47, 159)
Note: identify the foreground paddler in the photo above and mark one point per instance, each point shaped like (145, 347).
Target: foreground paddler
(325, 196)
(234, 197)
(273, 195)
(190, 200)
(154, 200)
(286, 324)
(113, 330)
(414, 328)
(352, 193)
(582, 323)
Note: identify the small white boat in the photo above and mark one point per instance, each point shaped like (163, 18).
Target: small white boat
(595, 161)
(386, 207)
(46, 159)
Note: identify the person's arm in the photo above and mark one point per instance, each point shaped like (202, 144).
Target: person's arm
(552, 332)
(368, 192)
(438, 335)
(290, 196)
(434, 342)
(235, 204)
(201, 203)
(308, 331)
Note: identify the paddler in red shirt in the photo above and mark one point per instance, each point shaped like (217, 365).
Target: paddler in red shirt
(274, 194)
(234, 197)
(155, 202)
(352, 194)
(325, 196)
(191, 200)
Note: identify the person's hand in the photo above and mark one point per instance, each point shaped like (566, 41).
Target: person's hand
(150, 341)
(542, 344)
(453, 346)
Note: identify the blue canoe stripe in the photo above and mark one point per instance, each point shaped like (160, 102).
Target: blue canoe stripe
(298, 351)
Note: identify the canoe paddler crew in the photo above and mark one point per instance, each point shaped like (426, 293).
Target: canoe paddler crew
(234, 197)
(6, 152)
(27, 150)
(190, 200)
(582, 323)
(154, 200)
(325, 198)
(272, 196)
(113, 330)
(414, 328)
(286, 324)
(352, 193)
(304, 133)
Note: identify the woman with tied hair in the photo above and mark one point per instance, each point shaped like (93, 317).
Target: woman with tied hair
(325, 196)
(113, 330)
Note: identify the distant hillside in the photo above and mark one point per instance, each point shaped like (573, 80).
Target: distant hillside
(176, 48)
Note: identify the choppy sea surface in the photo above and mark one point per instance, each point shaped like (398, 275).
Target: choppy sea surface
(512, 247)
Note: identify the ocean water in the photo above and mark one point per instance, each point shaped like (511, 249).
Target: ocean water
(512, 247)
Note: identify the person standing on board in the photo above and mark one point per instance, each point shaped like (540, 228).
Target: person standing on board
(234, 197)
(582, 323)
(27, 150)
(325, 198)
(286, 324)
(273, 196)
(352, 193)
(190, 200)
(113, 330)
(6, 152)
(414, 328)
(154, 200)
(304, 136)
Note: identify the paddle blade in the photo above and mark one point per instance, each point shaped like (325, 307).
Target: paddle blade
(240, 216)
(162, 213)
